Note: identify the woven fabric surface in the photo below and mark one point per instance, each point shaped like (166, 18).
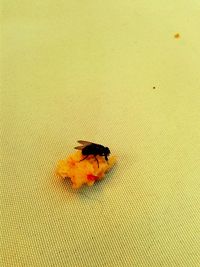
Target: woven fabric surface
(124, 74)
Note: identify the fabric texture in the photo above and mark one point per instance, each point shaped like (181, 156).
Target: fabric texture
(114, 73)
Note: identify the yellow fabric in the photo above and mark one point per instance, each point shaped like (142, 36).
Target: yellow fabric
(86, 70)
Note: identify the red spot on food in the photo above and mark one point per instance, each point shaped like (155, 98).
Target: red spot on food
(92, 177)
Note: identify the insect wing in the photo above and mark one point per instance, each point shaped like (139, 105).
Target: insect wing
(85, 143)
(79, 147)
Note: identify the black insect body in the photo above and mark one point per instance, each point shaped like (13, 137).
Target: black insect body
(89, 148)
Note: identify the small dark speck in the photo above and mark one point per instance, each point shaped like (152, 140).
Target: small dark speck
(154, 87)
(177, 36)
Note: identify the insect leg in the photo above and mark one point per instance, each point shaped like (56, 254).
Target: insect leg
(106, 158)
(96, 161)
(84, 158)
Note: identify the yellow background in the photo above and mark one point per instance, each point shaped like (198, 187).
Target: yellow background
(86, 70)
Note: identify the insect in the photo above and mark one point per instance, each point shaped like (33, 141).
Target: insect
(89, 148)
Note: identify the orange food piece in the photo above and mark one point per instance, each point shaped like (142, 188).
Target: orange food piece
(85, 171)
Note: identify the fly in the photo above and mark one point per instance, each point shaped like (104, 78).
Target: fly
(89, 148)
